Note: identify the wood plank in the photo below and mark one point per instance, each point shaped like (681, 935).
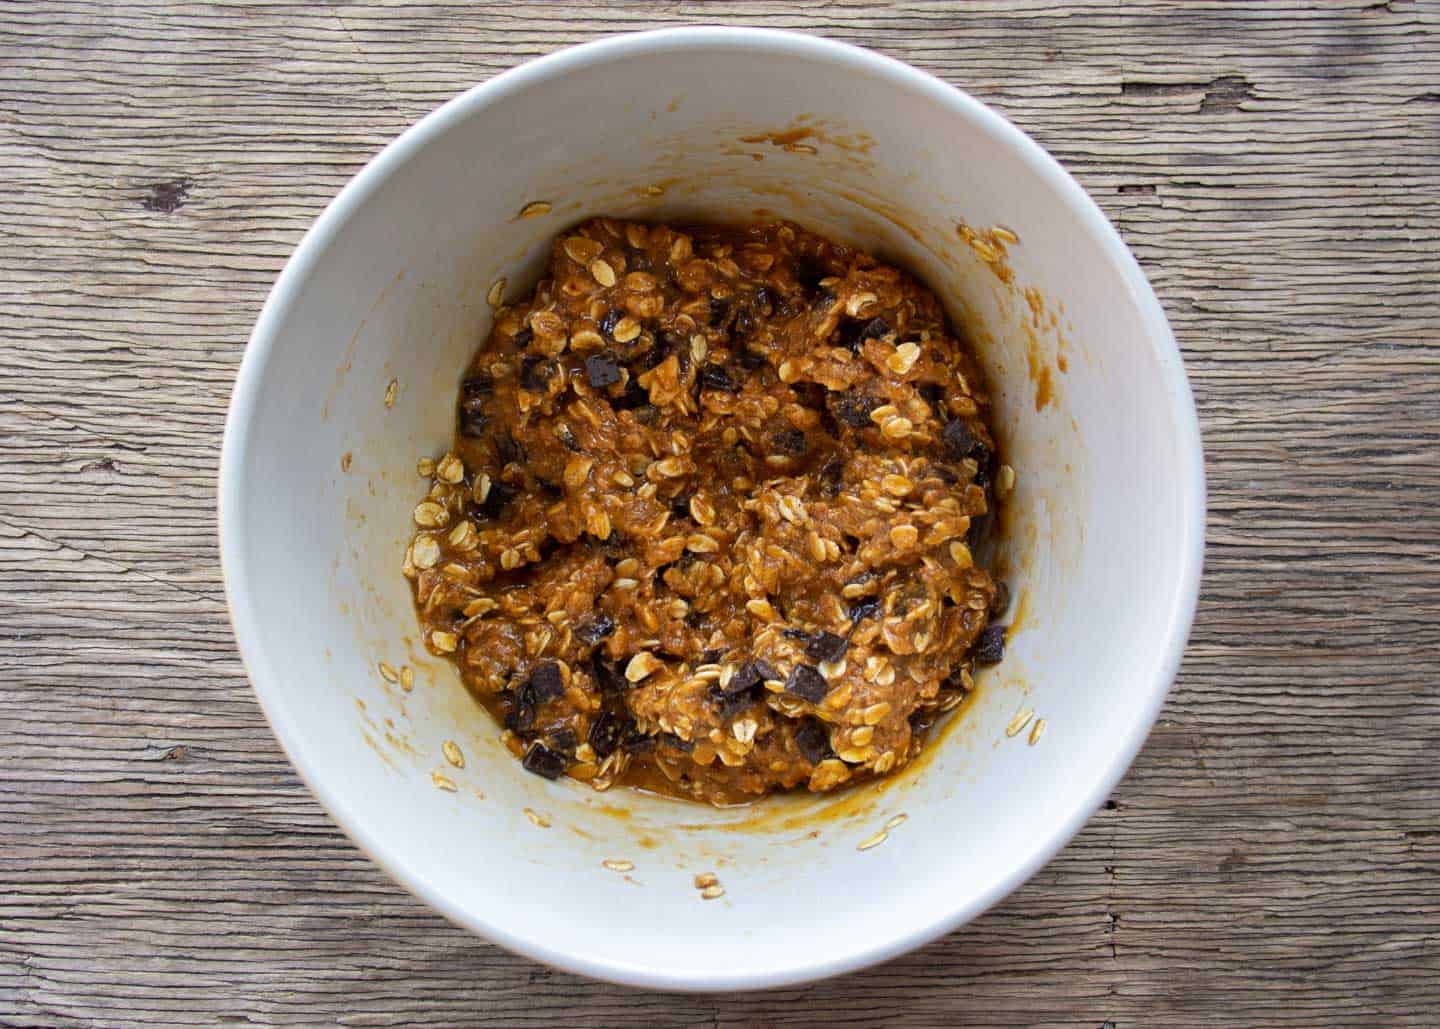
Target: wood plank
(1270, 859)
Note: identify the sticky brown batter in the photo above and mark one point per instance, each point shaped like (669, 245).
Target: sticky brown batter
(707, 524)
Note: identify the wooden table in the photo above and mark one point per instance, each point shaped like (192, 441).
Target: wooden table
(1271, 858)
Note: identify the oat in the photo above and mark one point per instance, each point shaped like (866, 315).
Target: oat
(645, 516)
(496, 296)
(345, 459)
(1018, 723)
(425, 467)
(618, 865)
(705, 880)
(388, 673)
(713, 892)
(1005, 480)
(536, 818)
(444, 782)
(453, 754)
(1037, 731)
(873, 841)
(392, 390)
(1005, 235)
(534, 209)
(896, 822)
(407, 678)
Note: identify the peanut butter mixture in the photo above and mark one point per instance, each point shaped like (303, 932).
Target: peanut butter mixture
(707, 524)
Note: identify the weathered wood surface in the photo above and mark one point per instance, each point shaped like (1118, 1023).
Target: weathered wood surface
(1271, 859)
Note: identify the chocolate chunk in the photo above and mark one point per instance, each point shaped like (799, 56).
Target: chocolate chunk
(826, 646)
(636, 742)
(795, 634)
(809, 271)
(712, 376)
(634, 397)
(960, 443)
(564, 741)
(712, 656)
(543, 761)
(607, 731)
(536, 373)
(744, 323)
(608, 678)
(990, 648)
(546, 682)
(567, 436)
(595, 628)
(789, 441)
(601, 370)
(473, 422)
(501, 493)
(813, 739)
(934, 395)
(1000, 601)
(520, 719)
(807, 684)
(869, 607)
(674, 742)
(719, 310)
(610, 320)
(523, 337)
(765, 300)
(507, 450)
(832, 472)
(850, 408)
(854, 334)
(477, 387)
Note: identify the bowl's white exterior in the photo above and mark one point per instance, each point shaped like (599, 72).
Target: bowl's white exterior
(391, 283)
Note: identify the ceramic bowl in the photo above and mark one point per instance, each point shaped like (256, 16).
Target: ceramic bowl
(1103, 549)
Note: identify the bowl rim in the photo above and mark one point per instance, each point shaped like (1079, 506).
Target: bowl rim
(1191, 476)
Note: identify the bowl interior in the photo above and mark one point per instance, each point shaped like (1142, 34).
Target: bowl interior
(1102, 548)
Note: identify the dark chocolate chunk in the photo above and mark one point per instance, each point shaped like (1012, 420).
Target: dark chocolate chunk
(813, 739)
(543, 761)
(567, 436)
(523, 337)
(634, 397)
(719, 310)
(607, 731)
(868, 607)
(832, 472)
(477, 387)
(960, 443)
(751, 359)
(549, 490)
(601, 370)
(536, 373)
(564, 740)
(826, 646)
(473, 422)
(501, 493)
(795, 634)
(507, 450)
(545, 682)
(789, 441)
(669, 739)
(850, 408)
(636, 742)
(934, 395)
(712, 656)
(809, 271)
(990, 648)
(712, 376)
(854, 334)
(610, 320)
(807, 684)
(744, 323)
(1000, 601)
(608, 677)
(595, 628)
(520, 719)
(765, 300)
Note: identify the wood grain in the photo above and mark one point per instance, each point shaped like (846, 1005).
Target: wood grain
(1271, 859)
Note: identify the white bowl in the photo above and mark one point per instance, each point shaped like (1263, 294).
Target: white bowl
(1104, 550)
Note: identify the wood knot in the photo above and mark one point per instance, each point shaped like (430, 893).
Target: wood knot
(168, 197)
